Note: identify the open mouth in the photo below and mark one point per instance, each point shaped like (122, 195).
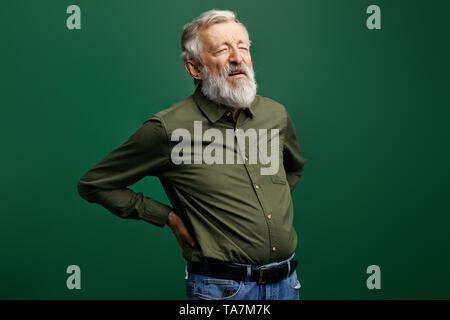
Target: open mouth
(237, 74)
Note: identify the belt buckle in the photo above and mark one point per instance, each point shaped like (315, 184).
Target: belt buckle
(261, 272)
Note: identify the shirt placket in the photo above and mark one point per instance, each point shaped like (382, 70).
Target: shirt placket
(257, 188)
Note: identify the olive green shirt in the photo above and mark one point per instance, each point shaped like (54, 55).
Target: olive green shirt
(234, 212)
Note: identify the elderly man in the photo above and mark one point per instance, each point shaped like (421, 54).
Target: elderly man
(228, 160)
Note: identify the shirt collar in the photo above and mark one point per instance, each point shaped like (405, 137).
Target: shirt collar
(214, 111)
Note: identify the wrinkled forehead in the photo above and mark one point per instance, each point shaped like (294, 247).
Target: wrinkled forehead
(223, 33)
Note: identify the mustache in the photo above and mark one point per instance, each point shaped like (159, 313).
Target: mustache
(231, 69)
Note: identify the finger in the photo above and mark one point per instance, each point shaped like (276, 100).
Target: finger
(179, 239)
(188, 238)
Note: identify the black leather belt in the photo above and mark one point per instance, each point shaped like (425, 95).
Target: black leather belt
(261, 275)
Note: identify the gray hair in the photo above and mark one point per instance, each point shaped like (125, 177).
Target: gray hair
(190, 45)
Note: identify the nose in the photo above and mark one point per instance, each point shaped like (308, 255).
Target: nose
(235, 56)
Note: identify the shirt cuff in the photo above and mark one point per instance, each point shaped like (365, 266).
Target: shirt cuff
(156, 212)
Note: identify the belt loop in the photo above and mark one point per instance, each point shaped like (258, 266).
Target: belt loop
(249, 273)
(289, 264)
(292, 257)
(186, 272)
(289, 268)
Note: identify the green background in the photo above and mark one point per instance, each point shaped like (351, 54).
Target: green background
(370, 107)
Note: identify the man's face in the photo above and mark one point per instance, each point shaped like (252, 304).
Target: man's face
(222, 44)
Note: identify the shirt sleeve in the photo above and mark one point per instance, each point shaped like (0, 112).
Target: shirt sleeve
(144, 154)
(293, 160)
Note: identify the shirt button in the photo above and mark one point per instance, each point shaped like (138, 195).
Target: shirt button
(269, 216)
(246, 159)
(228, 113)
(256, 187)
(274, 249)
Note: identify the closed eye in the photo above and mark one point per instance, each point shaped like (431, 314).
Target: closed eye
(221, 50)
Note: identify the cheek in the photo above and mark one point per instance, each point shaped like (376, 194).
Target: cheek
(248, 58)
(216, 65)
(221, 65)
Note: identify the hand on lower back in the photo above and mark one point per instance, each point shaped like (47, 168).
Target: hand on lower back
(179, 230)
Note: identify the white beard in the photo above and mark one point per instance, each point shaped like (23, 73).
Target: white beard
(239, 95)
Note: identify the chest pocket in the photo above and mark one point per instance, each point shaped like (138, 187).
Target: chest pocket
(280, 176)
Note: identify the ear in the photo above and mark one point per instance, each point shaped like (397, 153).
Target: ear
(193, 68)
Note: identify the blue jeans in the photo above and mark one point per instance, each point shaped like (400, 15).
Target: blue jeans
(199, 287)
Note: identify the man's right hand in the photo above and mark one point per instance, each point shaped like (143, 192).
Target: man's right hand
(179, 230)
